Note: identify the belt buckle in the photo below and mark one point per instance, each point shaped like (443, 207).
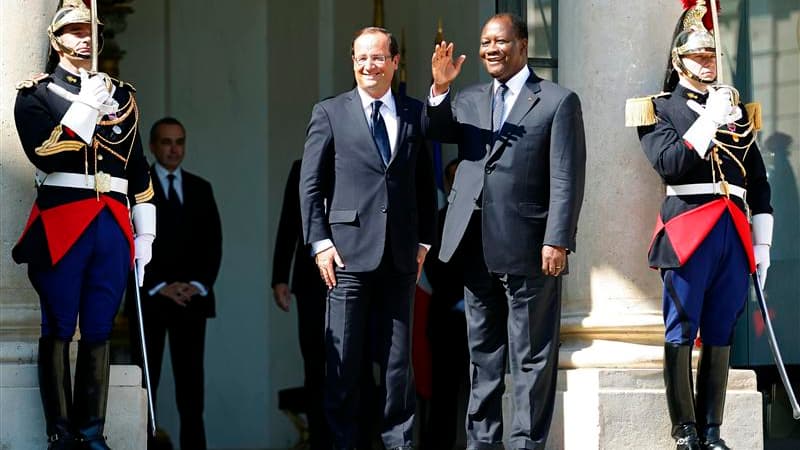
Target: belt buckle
(102, 182)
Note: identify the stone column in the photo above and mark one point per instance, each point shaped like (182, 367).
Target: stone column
(24, 47)
(610, 51)
(612, 394)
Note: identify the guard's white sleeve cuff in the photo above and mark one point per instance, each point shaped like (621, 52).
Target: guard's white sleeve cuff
(436, 100)
(144, 219)
(200, 287)
(699, 135)
(319, 246)
(82, 119)
(426, 246)
(762, 229)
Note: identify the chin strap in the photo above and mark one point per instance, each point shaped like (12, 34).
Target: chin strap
(677, 61)
(60, 47)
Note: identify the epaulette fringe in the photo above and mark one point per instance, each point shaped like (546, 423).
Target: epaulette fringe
(754, 114)
(640, 111)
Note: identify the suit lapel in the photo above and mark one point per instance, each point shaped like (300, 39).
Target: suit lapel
(528, 97)
(361, 130)
(402, 126)
(485, 114)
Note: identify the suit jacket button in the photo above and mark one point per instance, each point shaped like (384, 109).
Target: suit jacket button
(489, 170)
(383, 209)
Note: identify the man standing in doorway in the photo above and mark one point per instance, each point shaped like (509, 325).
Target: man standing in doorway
(178, 292)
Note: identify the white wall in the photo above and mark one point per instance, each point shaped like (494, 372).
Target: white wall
(205, 63)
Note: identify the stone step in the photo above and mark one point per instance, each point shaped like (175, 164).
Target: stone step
(22, 420)
(627, 408)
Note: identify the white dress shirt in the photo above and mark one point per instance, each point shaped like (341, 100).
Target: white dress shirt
(388, 112)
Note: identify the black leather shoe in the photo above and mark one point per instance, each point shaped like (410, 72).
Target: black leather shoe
(712, 441)
(62, 440)
(686, 437)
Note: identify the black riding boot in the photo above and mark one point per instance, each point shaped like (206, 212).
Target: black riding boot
(56, 391)
(91, 394)
(680, 395)
(712, 381)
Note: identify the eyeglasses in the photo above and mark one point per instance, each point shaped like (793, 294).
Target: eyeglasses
(378, 60)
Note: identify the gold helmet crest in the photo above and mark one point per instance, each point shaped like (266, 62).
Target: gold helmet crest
(692, 37)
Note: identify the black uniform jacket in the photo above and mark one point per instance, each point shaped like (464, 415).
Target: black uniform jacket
(734, 158)
(61, 214)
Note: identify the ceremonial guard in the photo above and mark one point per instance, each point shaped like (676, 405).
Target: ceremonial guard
(80, 131)
(701, 142)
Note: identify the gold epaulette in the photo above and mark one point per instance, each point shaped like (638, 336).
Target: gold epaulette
(32, 81)
(754, 114)
(640, 111)
(124, 84)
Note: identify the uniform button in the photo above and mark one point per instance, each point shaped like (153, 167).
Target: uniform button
(99, 157)
(383, 209)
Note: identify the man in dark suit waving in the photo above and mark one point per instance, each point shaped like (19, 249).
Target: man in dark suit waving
(514, 209)
(178, 292)
(367, 203)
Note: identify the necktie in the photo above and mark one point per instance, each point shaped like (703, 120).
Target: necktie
(379, 133)
(497, 109)
(172, 195)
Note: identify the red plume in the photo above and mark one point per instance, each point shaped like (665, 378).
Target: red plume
(708, 21)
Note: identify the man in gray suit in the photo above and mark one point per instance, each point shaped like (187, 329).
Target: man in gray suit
(514, 209)
(368, 205)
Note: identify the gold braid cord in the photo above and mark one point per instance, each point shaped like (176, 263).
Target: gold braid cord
(731, 150)
(106, 144)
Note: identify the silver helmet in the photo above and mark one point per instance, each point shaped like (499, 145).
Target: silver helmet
(71, 11)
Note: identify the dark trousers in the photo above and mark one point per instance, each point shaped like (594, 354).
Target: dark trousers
(449, 369)
(370, 312)
(186, 331)
(516, 317)
(89, 280)
(709, 291)
(311, 331)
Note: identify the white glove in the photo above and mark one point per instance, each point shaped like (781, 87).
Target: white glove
(762, 239)
(94, 89)
(92, 102)
(718, 105)
(761, 252)
(144, 227)
(717, 111)
(143, 246)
